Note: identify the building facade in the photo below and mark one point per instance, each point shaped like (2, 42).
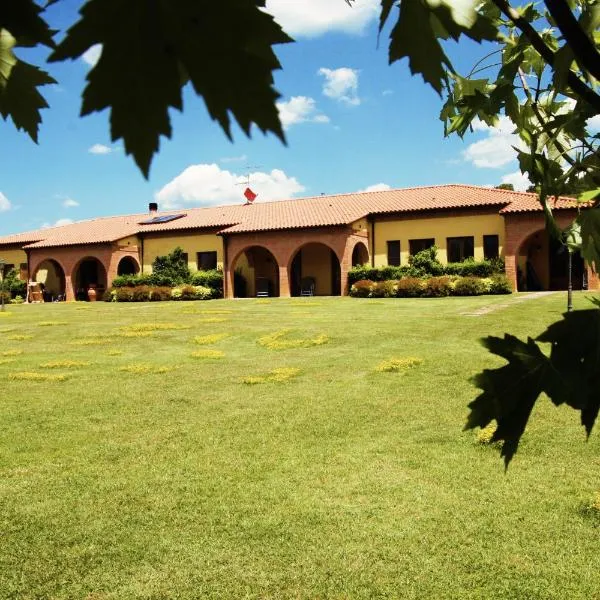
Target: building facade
(273, 248)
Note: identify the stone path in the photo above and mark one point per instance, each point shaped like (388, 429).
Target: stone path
(486, 310)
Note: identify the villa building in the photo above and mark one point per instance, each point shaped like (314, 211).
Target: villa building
(277, 244)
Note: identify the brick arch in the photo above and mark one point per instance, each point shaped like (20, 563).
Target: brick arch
(296, 250)
(37, 263)
(62, 275)
(519, 227)
(102, 275)
(358, 243)
(247, 250)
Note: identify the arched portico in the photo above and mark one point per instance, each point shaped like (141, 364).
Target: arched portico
(50, 275)
(315, 266)
(542, 264)
(256, 273)
(128, 266)
(284, 245)
(89, 274)
(528, 242)
(360, 255)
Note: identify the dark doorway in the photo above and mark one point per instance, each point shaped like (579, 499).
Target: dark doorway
(558, 257)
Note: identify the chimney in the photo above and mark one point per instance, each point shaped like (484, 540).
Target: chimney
(153, 208)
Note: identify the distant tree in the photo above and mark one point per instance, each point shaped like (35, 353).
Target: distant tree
(506, 186)
(173, 266)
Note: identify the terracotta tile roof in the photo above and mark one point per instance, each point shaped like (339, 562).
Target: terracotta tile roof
(530, 203)
(320, 211)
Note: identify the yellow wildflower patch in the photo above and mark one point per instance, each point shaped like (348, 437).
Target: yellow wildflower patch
(6, 361)
(114, 352)
(51, 323)
(484, 436)
(394, 365)
(65, 364)
(11, 353)
(275, 376)
(275, 341)
(211, 320)
(31, 376)
(208, 354)
(20, 337)
(205, 340)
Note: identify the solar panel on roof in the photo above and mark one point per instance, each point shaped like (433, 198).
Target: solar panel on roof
(161, 219)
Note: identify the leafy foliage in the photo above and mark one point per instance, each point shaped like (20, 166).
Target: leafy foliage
(22, 26)
(150, 50)
(570, 375)
(173, 266)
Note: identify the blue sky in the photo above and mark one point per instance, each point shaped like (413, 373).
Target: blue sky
(352, 122)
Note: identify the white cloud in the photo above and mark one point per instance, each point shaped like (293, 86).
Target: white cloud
(70, 203)
(300, 109)
(92, 55)
(311, 18)
(100, 149)
(57, 224)
(387, 92)
(377, 187)
(341, 85)
(209, 185)
(593, 124)
(496, 150)
(5, 205)
(520, 182)
(234, 159)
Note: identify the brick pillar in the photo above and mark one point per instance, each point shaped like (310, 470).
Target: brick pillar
(510, 268)
(284, 282)
(228, 282)
(69, 291)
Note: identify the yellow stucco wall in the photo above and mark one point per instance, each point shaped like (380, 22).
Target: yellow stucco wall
(13, 257)
(439, 228)
(48, 275)
(132, 240)
(248, 272)
(190, 243)
(316, 263)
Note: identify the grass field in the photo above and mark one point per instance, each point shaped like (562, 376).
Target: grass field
(254, 449)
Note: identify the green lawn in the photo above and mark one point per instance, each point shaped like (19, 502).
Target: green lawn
(334, 481)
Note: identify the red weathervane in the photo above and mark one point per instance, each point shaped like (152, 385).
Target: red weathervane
(250, 195)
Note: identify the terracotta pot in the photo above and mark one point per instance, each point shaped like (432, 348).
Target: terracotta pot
(92, 294)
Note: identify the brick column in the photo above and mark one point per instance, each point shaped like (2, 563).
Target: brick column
(284, 283)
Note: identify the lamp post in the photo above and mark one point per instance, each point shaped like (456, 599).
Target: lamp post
(570, 282)
(2, 263)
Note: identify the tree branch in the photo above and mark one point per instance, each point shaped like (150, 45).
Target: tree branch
(585, 52)
(578, 86)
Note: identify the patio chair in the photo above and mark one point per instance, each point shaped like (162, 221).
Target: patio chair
(307, 286)
(262, 287)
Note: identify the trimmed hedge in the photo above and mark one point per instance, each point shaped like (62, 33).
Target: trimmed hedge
(208, 279)
(432, 287)
(146, 293)
(468, 268)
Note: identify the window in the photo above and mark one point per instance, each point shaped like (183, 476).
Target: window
(490, 247)
(393, 253)
(184, 255)
(7, 268)
(460, 248)
(207, 261)
(418, 245)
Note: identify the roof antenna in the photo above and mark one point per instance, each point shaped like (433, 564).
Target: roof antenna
(248, 193)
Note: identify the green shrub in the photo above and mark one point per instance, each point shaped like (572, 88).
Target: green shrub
(173, 266)
(211, 279)
(471, 268)
(17, 300)
(426, 262)
(409, 287)
(469, 286)
(366, 273)
(499, 284)
(160, 294)
(362, 289)
(123, 294)
(437, 287)
(141, 293)
(5, 297)
(383, 289)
